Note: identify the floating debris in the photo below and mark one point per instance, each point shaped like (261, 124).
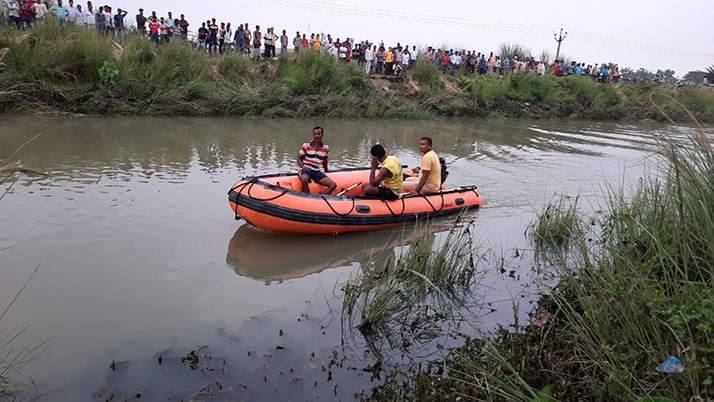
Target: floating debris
(541, 320)
(671, 366)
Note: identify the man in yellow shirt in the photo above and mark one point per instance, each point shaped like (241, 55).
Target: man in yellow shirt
(429, 181)
(386, 181)
(389, 61)
(315, 43)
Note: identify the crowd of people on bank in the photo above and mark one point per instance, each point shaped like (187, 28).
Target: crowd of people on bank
(220, 37)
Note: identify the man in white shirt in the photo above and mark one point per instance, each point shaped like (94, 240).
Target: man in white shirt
(108, 19)
(368, 59)
(89, 18)
(13, 12)
(228, 41)
(40, 10)
(297, 42)
(413, 54)
(327, 44)
(72, 13)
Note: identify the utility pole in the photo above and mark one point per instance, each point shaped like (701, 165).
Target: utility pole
(559, 38)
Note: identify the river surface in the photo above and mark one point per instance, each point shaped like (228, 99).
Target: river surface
(141, 262)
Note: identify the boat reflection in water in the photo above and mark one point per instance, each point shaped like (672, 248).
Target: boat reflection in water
(274, 257)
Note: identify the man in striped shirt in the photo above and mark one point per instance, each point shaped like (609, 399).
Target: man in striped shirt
(312, 159)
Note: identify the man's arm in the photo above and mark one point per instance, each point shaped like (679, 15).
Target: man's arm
(422, 181)
(324, 164)
(376, 178)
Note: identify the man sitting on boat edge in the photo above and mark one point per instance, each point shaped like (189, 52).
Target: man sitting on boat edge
(311, 159)
(429, 181)
(387, 183)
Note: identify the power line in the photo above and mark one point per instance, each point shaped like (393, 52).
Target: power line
(406, 16)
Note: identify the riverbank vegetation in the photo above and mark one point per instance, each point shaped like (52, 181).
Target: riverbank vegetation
(54, 69)
(634, 288)
(400, 307)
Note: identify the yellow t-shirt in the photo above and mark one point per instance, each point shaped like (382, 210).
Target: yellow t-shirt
(316, 44)
(388, 57)
(395, 182)
(430, 162)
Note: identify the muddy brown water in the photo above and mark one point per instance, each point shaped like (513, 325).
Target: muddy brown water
(141, 260)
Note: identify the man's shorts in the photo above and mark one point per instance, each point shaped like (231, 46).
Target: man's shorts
(386, 193)
(314, 175)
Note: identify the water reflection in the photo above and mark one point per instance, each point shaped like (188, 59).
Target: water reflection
(91, 148)
(276, 257)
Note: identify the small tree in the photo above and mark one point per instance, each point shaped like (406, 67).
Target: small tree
(512, 50)
(695, 77)
(710, 74)
(545, 57)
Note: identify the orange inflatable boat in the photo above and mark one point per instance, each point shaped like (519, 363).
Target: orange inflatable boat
(275, 203)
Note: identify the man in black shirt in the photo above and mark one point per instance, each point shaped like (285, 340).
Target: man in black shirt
(141, 22)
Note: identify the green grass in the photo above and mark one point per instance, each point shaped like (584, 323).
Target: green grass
(558, 225)
(312, 73)
(403, 303)
(426, 74)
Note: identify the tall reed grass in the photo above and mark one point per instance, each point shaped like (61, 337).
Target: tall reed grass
(404, 304)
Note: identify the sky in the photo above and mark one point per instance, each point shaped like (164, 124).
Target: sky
(652, 34)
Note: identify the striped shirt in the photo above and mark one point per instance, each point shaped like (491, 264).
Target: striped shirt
(312, 156)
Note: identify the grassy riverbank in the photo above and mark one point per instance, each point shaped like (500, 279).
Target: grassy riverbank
(635, 287)
(54, 69)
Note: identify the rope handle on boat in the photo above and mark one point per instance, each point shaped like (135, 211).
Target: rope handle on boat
(242, 187)
(404, 207)
(432, 205)
(333, 209)
(250, 183)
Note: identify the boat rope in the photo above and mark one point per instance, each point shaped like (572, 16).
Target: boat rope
(242, 187)
(335, 211)
(432, 205)
(404, 207)
(252, 183)
(249, 184)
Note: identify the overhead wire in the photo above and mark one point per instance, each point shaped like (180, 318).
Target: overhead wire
(407, 16)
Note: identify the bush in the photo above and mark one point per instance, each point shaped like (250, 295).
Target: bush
(313, 73)
(57, 53)
(426, 73)
(234, 65)
(589, 92)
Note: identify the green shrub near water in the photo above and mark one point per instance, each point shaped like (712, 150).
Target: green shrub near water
(589, 92)
(174, 67)
(426, 74)
(534, 88)
(49, 52)
(311, 73)
(235, 65)
(697, 99)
